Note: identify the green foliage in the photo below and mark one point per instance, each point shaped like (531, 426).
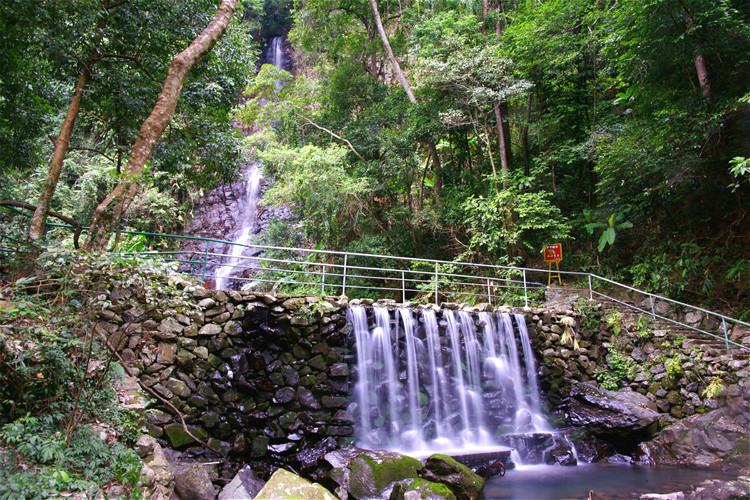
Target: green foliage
(314, 181)
(613, 320)
(713, 389)
(57, 377)
(501, 223)
(611, 227)
(51, 465)
(619, 368)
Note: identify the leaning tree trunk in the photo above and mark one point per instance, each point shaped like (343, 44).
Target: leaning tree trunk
(389, 51)
(700, 61)
(62, 143)
(116, 203)
(409, 94)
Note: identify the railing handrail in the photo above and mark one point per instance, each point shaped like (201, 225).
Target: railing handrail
(347, 266)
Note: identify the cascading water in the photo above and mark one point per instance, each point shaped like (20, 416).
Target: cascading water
(450, 382)
(275, 54)
(237, 260)
(250, 206)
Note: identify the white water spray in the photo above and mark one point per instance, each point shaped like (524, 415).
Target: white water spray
(425, 385)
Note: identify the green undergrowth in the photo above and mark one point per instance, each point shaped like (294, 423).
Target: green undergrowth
(62, 429)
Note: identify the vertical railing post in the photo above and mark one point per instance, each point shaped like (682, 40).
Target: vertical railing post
(726, 335)
(323, 279)
(205, 262)
(653, 310)
(525, 291)
(489, 292)
(436, 283)
(343, 279)
(403, 287)
(591, 289)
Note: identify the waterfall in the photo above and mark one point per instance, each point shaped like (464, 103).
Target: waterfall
(275, 52)
(246, 230)
(428, 381)
(249, 205)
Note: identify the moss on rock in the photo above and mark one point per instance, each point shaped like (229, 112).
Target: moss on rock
(464, 483)
(372, 474)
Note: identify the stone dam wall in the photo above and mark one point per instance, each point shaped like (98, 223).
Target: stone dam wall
(266, 377)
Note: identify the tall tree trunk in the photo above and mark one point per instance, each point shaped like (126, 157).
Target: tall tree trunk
(389, 51)
(525, 137)
(62, 143)
(436, 166)
(114, 205)
(503, 139)
(700, 60)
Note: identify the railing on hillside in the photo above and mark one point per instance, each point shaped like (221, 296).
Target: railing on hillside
(325, 272)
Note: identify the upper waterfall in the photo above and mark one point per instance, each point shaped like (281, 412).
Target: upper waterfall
(236, 260)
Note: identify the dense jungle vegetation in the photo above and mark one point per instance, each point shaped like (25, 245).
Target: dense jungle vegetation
(477, 131)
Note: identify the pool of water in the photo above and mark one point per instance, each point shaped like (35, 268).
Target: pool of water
(608, 481)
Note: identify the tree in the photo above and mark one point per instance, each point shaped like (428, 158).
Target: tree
(115, 204)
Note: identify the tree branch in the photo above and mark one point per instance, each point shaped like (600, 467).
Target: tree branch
(332, 134)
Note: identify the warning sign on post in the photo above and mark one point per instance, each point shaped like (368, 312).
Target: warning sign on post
(553, 253)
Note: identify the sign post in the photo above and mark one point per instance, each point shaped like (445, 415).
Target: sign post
(553, 254)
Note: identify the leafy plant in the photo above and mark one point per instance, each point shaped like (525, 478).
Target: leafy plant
(613, 320)
(713, 389)
(614, 224)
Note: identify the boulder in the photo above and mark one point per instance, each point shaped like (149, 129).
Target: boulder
(722, 490)
(421, 489)
(192, 482)
(460, 479)
(244, 486)
(710, 440)
(620, 415)
(373, 474)
(285, 485)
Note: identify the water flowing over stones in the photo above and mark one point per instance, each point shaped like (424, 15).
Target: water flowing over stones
(238, 252)
(442, 381)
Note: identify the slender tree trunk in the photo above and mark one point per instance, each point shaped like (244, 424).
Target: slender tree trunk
(116, 202)
(700, 61)
(409, 94)
(485, 8)
(62, 143)
(503, 138)
(525, 137)
(389, 51)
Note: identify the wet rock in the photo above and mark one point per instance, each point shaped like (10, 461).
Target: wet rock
(373, 474)
(457, 477)
(310, 456)
(421, 489)
(711, 440)
(244, 486)
(738, 489)
(622, 414)
(283, 484)
(179, 438)
(192, 482)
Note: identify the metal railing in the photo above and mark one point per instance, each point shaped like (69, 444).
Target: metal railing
(360, 275)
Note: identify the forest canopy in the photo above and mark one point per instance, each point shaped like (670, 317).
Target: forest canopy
(478, 131)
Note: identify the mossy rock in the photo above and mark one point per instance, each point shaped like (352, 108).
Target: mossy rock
(464, 483)
(426, 490)
(373, 474)
(179, 438)
(287, 486)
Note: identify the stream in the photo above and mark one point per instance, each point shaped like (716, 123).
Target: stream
(608, 481)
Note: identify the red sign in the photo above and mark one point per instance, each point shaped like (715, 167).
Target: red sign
(553, 253)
